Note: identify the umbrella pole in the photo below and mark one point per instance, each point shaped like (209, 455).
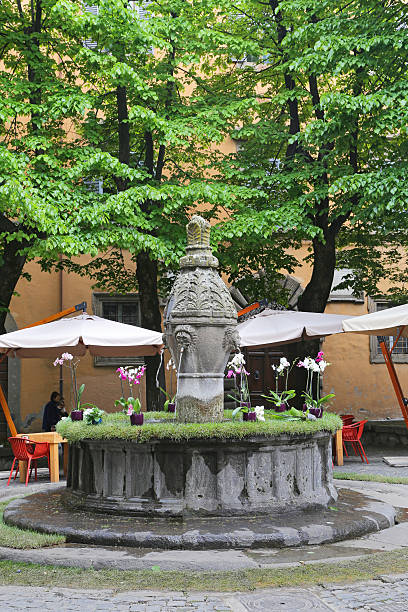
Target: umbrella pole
(395, 381)
(7, 414)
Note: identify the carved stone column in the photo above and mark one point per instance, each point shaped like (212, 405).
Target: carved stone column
(200, 329)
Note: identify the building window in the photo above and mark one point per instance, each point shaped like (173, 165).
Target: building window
(94, 185)
(94, 10)
(400, 352)
(120, 308)
(347, 294)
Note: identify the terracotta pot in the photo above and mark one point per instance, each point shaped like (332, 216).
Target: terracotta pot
(249, 416)
(77, 415)
(136, 419)
(171, 407)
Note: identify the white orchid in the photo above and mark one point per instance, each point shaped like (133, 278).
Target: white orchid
(259, 411)
(323, 365)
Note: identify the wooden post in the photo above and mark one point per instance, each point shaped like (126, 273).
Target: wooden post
(338, 441)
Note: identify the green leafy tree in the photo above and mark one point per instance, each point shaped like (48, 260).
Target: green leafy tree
(149, 134)
(326, 143)
(45, 207)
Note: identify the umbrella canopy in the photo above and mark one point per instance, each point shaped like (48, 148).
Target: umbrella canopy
(275, 327)
(78, 334)
(386, 322)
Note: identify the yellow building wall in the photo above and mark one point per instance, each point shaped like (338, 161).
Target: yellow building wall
(361, 388)
(38, 299)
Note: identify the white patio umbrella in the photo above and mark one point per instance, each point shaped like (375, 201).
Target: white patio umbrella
(78, 334)
(388, 322)
(275, 327)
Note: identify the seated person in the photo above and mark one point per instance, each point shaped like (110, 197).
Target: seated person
(61, 406)
(52, 413)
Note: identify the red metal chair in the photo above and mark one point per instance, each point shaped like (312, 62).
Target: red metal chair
(347, 419)
(352, 433)
(30, 451)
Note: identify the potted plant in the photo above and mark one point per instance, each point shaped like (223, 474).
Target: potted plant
(93, 415)
(316, 366)
(135, 411)
(77, 412)
(281, 399)
(132, 406)
(169, 404)
(236, 370)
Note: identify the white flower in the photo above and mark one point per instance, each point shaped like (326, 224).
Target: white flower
(322, 365)
(67, 356)
(237, 363)
(314, 366)
(259, 411)
(169, 364)
(284, 363)
(87, 411)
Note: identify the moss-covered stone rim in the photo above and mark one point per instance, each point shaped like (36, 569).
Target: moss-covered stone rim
(117, 426)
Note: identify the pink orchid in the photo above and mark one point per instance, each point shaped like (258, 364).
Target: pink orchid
(301, 364)
(319, 356)
(230, 373)
(130, 409)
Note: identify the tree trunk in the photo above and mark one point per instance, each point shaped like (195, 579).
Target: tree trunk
(313, 299)
(12, 264)
(146, 273)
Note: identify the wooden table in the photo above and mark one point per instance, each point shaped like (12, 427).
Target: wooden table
(338, 447)
(53, 438)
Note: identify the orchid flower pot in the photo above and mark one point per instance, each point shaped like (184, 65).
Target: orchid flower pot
(304, 407)
(281, 408)
(136, 419)
(171, 407)
(249, 416)
(77, 415)
(317, 412)
(245, 405)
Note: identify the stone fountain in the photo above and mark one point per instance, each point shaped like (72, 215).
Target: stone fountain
(200, 329)
(263, 490)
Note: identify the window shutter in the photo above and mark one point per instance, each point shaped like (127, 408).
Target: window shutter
(94, 10)
(94, 185)
(141, 9)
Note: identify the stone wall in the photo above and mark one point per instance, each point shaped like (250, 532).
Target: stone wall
(392, 434)
(203, 477)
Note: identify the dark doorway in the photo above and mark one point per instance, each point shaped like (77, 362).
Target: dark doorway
(261, 375)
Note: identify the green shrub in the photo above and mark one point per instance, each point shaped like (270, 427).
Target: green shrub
(117, 425)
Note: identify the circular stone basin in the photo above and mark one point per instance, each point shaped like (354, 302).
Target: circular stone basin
(202, 477)
(353, 515)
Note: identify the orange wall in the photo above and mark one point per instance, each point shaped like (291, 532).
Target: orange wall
(38, 299)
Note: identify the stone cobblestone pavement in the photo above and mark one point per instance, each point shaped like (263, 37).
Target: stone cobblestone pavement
(386, 594)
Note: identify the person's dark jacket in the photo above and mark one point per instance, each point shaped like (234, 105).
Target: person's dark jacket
(52, 414)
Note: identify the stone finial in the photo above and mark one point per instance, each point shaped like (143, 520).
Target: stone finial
(198, 232)
(198, 245)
